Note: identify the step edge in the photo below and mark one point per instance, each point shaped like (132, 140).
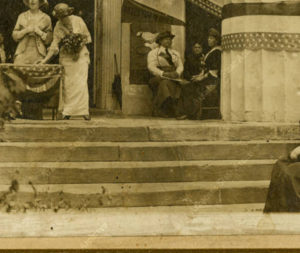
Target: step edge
(136, 188)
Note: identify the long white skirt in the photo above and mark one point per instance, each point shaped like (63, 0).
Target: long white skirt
(75, 94)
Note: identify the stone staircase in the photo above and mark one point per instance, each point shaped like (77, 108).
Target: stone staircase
(142, 162)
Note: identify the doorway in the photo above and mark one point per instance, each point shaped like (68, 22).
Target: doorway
(198, 24)
(10, 9)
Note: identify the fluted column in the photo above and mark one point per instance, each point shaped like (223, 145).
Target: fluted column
(261, 62)
(111, 44)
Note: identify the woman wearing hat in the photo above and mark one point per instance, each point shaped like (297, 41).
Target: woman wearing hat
(33, 32)
(76, 63)
(166, 66)
(204, 87)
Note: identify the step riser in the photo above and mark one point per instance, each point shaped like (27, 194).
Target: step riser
(223, 132)
(42, 175)
(175, 198)
(186, 152)
(219, 132)
(62, 134)
(228, 151)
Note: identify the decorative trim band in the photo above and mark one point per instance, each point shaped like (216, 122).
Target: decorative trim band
(285, 8)
(209, 6)
(262, 40)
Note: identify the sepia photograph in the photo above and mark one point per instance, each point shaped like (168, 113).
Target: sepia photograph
(149, 124)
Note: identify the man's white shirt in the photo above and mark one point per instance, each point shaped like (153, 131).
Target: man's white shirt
(156, 60)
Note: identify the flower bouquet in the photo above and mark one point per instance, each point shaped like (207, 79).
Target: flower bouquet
(72, 44)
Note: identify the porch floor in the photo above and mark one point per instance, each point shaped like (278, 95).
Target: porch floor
(150, 221)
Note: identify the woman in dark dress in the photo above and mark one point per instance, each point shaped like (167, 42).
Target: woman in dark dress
(194, 63)
(205, 84)
(284, 190)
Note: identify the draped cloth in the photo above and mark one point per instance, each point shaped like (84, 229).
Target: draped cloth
(40, 82)
(284, 190)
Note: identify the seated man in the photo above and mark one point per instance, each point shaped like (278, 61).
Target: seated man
(206, 84)
(284, 190)
(165, 65)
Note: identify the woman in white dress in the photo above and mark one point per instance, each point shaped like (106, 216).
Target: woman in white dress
(76, 64)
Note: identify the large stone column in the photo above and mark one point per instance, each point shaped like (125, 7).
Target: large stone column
(110, 45)
(261, 61)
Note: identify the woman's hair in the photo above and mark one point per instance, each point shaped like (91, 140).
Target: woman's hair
(43, 3)
(197, 42)
(216, 34)
(62, 10)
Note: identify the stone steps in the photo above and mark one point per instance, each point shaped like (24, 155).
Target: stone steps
(135, 172)
(142, 162)
(146, 194)
(125, 130)
(143, 151)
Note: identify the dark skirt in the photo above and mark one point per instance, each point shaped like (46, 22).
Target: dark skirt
(190, 102)
(196, 95)
(284, 190)
(165, 95)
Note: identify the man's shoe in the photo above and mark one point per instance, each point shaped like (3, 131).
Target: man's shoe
(87, 117)
(182, 117)
(66, 117)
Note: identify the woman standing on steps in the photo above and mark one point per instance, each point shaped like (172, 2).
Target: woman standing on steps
(69, 40)
(33, 32)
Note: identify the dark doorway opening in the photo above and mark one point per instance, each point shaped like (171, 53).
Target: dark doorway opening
(198, 24)
(10, 9)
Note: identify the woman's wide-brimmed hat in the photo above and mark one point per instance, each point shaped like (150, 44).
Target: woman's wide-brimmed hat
(214, 33)
(62, 10)
(163, 35)
(42, 2)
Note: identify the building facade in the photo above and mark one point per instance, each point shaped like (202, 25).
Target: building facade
(260, 59)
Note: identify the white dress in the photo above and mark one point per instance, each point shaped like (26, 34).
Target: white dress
(75, 96)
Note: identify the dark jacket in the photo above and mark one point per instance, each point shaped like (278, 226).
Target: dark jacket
(193, 66)
(213, 62)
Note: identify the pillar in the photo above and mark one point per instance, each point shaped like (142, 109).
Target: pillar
(110, 44)
(261, 61)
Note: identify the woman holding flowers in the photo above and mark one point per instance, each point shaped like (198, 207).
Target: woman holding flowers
(70, 37)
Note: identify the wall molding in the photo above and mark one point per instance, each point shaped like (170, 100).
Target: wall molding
(284, 8)
(262, 40)
(208, 6)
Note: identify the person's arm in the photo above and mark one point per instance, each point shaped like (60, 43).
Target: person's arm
(53, 49)
(2, 54)
(19, 31)
(295, 154)
(180, 67)
(152, 64)
(49, 55)
(85, 31)
(215, 64)
(46, 34)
